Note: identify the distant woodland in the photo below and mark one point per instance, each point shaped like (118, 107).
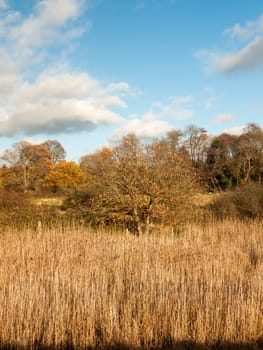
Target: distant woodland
(139, 184)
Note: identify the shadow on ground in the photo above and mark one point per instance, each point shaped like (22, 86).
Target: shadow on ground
(169, 344)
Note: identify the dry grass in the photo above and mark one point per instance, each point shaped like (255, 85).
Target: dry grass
(78, 289)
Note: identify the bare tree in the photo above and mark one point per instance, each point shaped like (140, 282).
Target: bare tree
(56, 150)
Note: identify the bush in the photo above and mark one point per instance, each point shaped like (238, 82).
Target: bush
(11, 200)
(245, 202)
(18, 210)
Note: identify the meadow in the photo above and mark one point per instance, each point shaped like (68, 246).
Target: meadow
(74, 288)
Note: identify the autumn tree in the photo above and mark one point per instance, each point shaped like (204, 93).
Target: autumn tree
(36, 162)
(12, 178)
(234, 160)
(28, 166)
(12, 156)
(2, 177)
(250, 153)
(97, 164)
(141, 183)
(173, 182)
(63, 177)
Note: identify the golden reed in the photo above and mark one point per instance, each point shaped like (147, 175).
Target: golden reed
(75, 288)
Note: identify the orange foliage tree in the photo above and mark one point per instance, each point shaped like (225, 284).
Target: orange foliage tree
(63, 177)
(28, 166)
(141, 184)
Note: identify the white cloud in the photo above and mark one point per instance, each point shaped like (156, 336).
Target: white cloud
(118, 86)
(61, 103)
(51, 23)
(43, 27)
(34, 141)
(9, 75)
(249, 57)
(248, 31)
(246, 57)
(56, 100)
(7, 20)
(236, 130)
(222, 118)
(149, 126)
(3, 4)
(154, 122)
(179, 108)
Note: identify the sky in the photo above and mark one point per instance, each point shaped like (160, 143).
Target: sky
(88, 72)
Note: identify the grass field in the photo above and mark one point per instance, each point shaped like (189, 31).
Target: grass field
(73, 288)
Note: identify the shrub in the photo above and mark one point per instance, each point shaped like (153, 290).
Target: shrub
(11, 200)
(18, 210)
(245, 202)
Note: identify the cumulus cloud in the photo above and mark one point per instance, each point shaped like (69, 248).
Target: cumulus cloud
(44, 25)
(148, 126)
(246, 57)
(61, 103)
(155, 122)
(57, 100)
(51, 23)
(223, 118)
(251, 56)
(236, 130)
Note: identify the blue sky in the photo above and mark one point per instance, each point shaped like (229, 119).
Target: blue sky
(87, 72)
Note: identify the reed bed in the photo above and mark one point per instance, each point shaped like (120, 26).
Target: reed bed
(78, 289)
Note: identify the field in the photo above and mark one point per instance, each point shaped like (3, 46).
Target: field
(76, 289)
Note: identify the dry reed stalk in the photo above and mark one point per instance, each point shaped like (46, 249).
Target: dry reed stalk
(79, 289)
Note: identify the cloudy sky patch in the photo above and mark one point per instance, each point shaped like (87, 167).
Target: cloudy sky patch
(88, 71)
(223, 118)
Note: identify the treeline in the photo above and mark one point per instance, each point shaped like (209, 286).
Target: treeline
(39, 169)
(134, 183)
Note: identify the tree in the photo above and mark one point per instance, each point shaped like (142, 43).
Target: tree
(12, 178)
(250, 153)
(63, 177)
(222, 165)
(173, 182)
(36, 162)
(56, 150)
(2, 170)
(29, 164)
(141, 183)
(97, 164)
(196, 143)
(12, 156)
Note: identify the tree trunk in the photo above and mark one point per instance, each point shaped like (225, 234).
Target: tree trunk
(147, 224)
(138, 227)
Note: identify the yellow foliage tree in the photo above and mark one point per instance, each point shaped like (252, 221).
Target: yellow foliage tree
(63, 177)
